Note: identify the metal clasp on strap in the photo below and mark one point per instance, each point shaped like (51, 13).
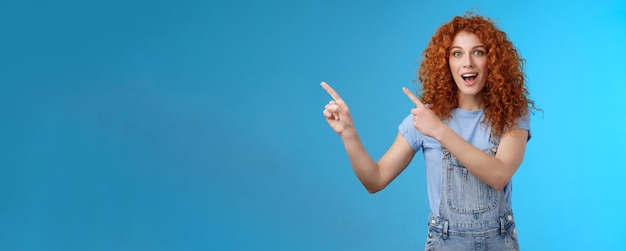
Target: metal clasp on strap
(445, 230)
(502, 228)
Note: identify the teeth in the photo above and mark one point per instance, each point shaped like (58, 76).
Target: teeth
(467, 75)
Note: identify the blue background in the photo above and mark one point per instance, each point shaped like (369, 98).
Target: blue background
(197, 125)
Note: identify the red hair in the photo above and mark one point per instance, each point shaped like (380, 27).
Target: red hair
(505, 96)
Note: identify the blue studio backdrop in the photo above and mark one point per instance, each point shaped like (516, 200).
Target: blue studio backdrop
(197, 125)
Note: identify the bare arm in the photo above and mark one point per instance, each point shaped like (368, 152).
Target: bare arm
(377, 175)
(373, 175)
(495, 171)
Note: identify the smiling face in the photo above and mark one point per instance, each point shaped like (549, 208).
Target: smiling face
(468, 65)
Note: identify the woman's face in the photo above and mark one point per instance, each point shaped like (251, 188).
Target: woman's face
(468, 64)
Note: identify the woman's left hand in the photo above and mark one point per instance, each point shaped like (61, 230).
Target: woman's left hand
(424, 119)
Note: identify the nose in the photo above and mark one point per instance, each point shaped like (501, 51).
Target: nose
(468, 61)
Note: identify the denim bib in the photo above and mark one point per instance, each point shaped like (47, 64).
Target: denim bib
(472, 215)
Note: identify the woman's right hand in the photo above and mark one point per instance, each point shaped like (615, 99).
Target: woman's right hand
(337, 113)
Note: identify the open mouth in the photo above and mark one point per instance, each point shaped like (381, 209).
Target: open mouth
(469, 78)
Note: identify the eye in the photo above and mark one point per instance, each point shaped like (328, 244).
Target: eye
(479, 52)
(456, 53)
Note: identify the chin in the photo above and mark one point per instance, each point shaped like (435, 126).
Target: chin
(472, 90)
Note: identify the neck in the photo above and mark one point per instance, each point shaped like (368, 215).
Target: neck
(470, 103)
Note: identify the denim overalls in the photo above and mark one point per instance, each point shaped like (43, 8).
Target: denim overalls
(472, 215)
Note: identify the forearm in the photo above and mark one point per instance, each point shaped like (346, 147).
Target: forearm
(485, 167)
(365, 168)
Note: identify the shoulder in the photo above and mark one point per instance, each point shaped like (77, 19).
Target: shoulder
(523, 122)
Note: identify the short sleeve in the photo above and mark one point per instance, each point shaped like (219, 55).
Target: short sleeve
(524, 124)
(410, 134)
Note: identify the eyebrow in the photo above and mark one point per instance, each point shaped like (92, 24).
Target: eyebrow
(477, 46)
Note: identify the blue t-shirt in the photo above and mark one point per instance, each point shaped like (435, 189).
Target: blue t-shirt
(468, 124)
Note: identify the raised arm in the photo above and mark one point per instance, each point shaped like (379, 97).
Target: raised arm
(495, 171)
(373, 175)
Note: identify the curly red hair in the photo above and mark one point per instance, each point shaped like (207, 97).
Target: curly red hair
(505, 93)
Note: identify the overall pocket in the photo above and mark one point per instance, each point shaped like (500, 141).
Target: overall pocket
(466, 193)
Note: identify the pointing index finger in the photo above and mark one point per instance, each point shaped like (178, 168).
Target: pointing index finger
(412, 97)
(331, 91)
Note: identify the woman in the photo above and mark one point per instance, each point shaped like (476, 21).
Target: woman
(472, 125)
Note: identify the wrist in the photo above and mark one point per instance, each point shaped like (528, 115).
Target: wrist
(440, 133)
(348, 134)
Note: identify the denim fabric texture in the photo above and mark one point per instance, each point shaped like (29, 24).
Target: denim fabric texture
(472, 215)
